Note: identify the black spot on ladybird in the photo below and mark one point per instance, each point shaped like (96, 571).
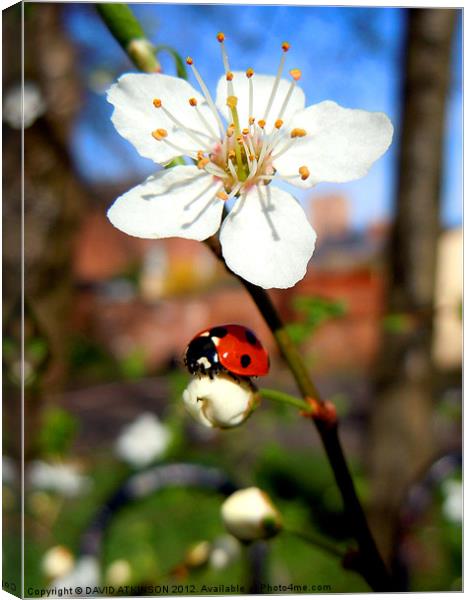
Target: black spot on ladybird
(250, 337)
(218, 332)
(245, 361)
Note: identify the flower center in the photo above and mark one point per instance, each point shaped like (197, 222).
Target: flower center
(239, 157)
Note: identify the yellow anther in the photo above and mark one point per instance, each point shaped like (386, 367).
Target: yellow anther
(159, 134)
(222, 195)
(285, 46)
(296, 74)
(245, 131)
(251, 157)
(249, 73)
(251, 120)
(261, 123)
(297, 133)
(278, 123)
(231, 154)
(221, 37)
(189, 60)
(232, 101)
(157, 103)
(192, 101)
(203, 162)
(229, 76)
(304, 172)
(200, 154)
(239, 139)
(230, 130)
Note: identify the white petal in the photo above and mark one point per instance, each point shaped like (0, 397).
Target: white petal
(266, 238)
(179, 202)
(135, 117)
(341, 143)
(262, 87)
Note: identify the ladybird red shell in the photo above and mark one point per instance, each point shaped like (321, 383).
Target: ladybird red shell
(232, 347)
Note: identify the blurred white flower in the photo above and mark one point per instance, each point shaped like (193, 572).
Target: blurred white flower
(143, 440)
(225, 550)
(85, 574)
(57, 562)
(256, 132)
(198, 554)
(220, 401)
(32, 102)
(58, 477)
(118, 573)
(453, 502)
(249, 514)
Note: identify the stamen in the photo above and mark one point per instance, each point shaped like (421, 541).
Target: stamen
(278, 123)
(215, 170)
(193, 102)
(297, 133)
(222, 195)
(226, 64)
(296, 75)
(249, 74)
(304, 172)
(261, 123)
(158, 104)
(203, 162)
(159, 134)
(252, 120)
(206, 93)
(230, 130)
(245, 131)
(232, 170)
(285, 48)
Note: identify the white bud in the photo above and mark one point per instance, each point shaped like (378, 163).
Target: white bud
(250, 515)
(220, 402)
(57, 562)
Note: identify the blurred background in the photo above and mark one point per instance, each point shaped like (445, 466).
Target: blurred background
(107, 316)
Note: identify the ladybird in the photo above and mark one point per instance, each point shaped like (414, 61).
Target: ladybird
(232, 348)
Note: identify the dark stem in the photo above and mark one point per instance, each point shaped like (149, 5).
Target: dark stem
(370, 563)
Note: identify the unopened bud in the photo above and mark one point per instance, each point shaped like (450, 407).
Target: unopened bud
(249, 514)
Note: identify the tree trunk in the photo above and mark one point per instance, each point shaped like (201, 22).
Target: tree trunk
(401, 440)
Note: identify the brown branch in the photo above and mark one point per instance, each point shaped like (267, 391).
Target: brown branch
(369, 562)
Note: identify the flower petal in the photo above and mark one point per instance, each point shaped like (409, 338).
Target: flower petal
(262, 88)
(266, 238)
(135, 116)
(179, 202)
(341, 144)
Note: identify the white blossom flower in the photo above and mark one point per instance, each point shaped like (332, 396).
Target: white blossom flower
(58, 477)
(143, 440)
(250, 515)
(220, 401)
(58, 561)
(256, 130)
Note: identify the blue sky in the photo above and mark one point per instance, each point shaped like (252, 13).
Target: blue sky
(349, 55)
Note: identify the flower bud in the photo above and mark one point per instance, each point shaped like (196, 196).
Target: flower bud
(250, 515)
(221, 401)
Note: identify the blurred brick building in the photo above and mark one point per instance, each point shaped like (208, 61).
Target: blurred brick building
(154, 295)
